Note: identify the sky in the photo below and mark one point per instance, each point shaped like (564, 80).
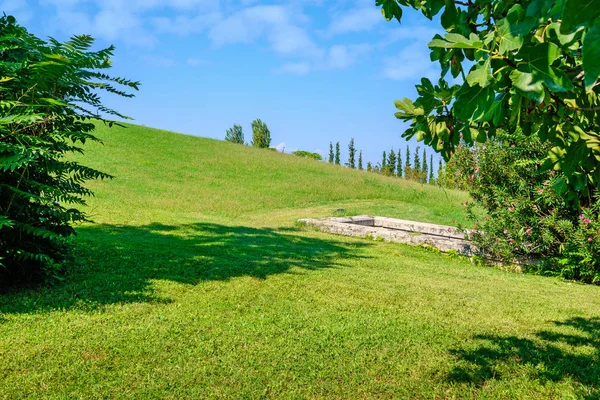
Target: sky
(316, 71)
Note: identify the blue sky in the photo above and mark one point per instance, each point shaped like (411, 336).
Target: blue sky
(315, 71)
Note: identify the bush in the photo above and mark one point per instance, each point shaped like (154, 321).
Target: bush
(308, 154)
(48, 105)
(525, 217)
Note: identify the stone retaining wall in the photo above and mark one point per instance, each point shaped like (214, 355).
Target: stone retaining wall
(443, 237)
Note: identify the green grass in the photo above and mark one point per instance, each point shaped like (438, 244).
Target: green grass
(196, 283)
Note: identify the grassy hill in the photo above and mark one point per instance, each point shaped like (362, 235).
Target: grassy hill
(195, 283)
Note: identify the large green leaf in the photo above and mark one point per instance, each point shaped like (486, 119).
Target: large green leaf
(538, 60)
(579, 13)
(527, 84)
(591, 56)
(472, 102)
(457, 41)
(513, 29)
(407, 109)
(481, 74)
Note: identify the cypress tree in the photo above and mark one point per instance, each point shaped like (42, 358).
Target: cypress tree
(337, 153)
(425, 167)
(330, 153)
(417, 163)
(440, 174)
(351, 154)
(235, 134)
(391, 163)
(399, 168)
(431, 179)
(407, 173)
(360, 161)
(383, 163)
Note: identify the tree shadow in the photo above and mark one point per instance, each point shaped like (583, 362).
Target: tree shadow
(569, 352)
(117, 264)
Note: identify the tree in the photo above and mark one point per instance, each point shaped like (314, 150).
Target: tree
(431, 178)
(417, 163)
(330, 153)
(235, 134)
(391, 163)
(399, 167)
(440, 173)
(407, 168)
(308, 154)
(384, 162)
(261, 135)
(425, 171)
(337, 153)
(533, 65)
(51, 105)
(351, 154)
(369, 166)
(360, 161)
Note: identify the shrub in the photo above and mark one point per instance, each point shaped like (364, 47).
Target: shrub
(48, 104)
(308, 154)
(525, 216)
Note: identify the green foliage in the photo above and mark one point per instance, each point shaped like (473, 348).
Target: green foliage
(431, 178)
(425, 170)
(337, 153)
(360, 161)
(351, 154)
(533, 65)
(391, 163)
(525, 218)
(235, 134)
(417, 162)
(407, 167)
(369, 166)
(308, 154)
(261, 135)
(399, 165)
(49, 98)
(331, 156)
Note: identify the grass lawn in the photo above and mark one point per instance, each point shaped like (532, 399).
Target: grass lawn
(196, 283)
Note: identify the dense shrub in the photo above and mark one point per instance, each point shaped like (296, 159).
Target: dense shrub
(308, 154)
(48, 105)
(525, 217)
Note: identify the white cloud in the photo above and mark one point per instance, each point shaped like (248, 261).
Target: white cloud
(275, 23)
(20, 9)
(296, 68)
(410, 63)
(355, 20)
(280, 147)
(336, 57)
(198, 62)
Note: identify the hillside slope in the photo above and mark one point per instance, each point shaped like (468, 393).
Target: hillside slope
(158, 172)
(195, 283)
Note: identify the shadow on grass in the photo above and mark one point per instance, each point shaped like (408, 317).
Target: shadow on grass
(116, 264)
(571, 353)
